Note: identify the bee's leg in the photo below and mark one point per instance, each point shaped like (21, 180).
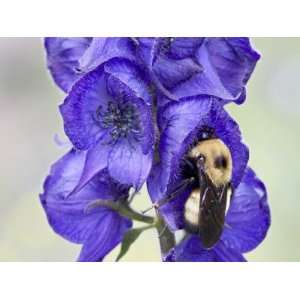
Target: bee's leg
(185, 183)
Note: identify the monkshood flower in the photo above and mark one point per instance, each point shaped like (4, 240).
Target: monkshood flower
(246, 225)
(108, 113)
(182, 67)
(68, 59)
(184, 123)
(76, 217)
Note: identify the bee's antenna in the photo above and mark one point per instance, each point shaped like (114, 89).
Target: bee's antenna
(185, 183)
(156, 206)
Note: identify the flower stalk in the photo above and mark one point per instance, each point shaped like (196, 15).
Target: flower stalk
(124, 209)
(165, 236)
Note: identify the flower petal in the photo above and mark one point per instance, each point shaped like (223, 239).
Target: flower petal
(183, 47)
(80, 107)
(107, 234)
(128, 165)
(62, 59)
(131, 77)
(227, 65)
(103, 49)
(68, 215)
(147, 50)
(191, 250)
(96, 160)
(172, 72)
(248, 218)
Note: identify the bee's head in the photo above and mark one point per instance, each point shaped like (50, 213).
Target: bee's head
(214, 156)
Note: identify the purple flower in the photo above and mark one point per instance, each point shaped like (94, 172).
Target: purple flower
(108, 113)
(184, 123)
(75, 217)
(246, 225)
(69, 59)
(182, 67)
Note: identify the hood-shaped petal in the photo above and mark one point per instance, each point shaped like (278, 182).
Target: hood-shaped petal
(131, 77)
(182, 123)
(183, 47)
(103, 49)
(185, 67)
(227, 66)
(69, 58)
(63, 55)
(171, 72)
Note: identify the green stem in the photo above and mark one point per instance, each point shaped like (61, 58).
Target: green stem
(127, 211)
(123, 209)
(166, 237)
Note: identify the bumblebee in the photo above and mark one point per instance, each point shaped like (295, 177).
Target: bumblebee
(210, 163)
(207, 171)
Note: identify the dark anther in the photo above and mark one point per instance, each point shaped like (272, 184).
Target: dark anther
(121, 118)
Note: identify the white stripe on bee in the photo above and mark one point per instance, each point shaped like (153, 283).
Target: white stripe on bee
(192, 205)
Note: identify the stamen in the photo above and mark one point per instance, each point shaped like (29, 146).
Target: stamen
(121, 118)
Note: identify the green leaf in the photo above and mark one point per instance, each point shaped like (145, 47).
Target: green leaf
(130, 237)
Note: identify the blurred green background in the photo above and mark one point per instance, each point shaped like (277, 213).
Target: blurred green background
(29, 120)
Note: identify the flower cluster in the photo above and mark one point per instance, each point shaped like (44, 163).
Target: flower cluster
(134, 108)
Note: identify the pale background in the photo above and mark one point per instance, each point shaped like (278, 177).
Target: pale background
(29, 120)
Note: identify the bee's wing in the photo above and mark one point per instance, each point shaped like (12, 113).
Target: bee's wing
(212, 211)
(229, 197)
